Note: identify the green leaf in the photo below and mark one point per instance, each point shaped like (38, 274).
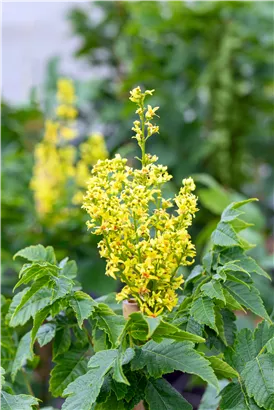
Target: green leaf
(232, 266)
(24, 352)
(18, 402)
(246, 262)
(224, 235)
(195, 273)
(213, 290)
(62, 286)
(167, 356)
(202, 311)
(211, 398)
(37, 253)
(110, 301)
(270, 346)
(36, 286)
(263, 333)
(110, 403)
(122, 358)
(36, 271)
(258, 378)
(39, 318)
(229, 326)
(62, 341)
(232, 211)
(68, 367)
(69, 269)
(221, 368)
(143, 328)
(38, 301)
(249, 298)
(231, 303)
(83, 306)
(233, 397)
(160, 395)
(244, 350)
(169, 331)
(46, 333)
(110, 323)
(136, 391)
(83, 392)
(2, 370)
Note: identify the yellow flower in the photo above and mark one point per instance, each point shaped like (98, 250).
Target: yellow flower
(66, 92)
(143, 243)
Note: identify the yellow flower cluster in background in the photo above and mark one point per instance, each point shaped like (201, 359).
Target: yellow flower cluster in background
(58, 177)
(145, 236)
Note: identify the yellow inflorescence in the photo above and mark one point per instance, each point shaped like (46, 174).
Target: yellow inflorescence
(56, 170)
(144, 242)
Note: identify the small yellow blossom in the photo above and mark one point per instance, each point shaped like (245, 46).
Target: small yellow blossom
(144, 243)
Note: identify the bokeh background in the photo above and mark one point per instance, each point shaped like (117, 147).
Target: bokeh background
(211, 64)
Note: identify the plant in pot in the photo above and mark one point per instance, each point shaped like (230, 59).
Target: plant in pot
(106, 357)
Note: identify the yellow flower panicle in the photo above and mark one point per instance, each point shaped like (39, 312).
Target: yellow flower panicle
(56, 170)
(143, 240)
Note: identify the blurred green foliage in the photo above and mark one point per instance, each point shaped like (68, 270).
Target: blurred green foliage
(212, 67)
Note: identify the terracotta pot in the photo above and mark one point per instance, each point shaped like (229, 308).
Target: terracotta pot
(131, 306)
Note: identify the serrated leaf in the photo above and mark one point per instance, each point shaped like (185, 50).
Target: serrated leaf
(207, 261)
(83, 392)
(246, 262)
(110, 403)
(202, 310)
(37, 253)
(258, 378)
(62, 286)
(270, 346)
(222, 368)
(232, 266)
(39, 318)
(169, 331)
(160, 395)
(83, 306)
(224, 235)
(110, 323)
(220, 325)
(35, 287)
(68, 367)
(194, 327)
(231, 302)
(229, 326)
(136, 391)
(263, 333)
(167, 356)
(122, 358)
(195, 273)
(213, 290)
(62, 341)
(233, 398)
(38, 301)
(249, 298)
(17, 402)
(232, 211)
(24, 352)
(244, 350)
(69, 269)
(36, 271)
(46, 333)
(143, 328)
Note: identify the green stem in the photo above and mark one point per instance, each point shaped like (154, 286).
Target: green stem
(29, 388)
